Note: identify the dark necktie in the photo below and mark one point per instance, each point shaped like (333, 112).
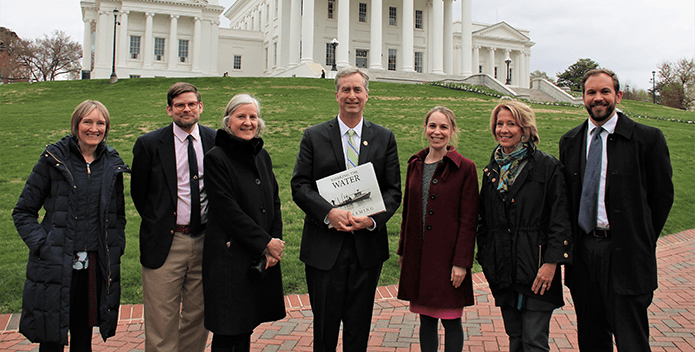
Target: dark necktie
(588, 204)
(195, 186)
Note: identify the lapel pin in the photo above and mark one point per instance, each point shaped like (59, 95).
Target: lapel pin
(365, 143)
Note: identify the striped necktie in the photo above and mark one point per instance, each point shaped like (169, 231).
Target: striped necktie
(352, 152)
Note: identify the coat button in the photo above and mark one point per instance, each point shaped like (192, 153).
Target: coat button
(435, 181)
(512, 200)
(429, 227)
(172, 232)
(263, 210)
(486, 170)
(494, 179)
(566, 255)
(258, 181)
(432, 196)
(565, 243)
(431, 212)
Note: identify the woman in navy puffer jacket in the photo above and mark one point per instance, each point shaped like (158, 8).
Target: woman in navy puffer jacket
(73, 273)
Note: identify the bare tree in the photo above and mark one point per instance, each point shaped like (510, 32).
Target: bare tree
(53, 56)
(676, 84)
(12, 50)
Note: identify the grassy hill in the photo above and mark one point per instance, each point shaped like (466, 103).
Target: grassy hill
(38, 114)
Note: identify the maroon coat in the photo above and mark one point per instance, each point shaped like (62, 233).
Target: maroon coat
(449, 239)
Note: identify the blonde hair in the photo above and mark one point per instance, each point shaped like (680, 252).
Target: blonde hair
(452, 123)
(237, 101)
(523, 115)
(85, 108)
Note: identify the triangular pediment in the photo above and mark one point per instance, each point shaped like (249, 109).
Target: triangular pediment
(501, 31)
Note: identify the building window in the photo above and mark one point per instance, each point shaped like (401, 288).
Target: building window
(330, 54)
(134, 76)
(418, 61)
(392, 16)
(134, 47)
(331, 7)
(237, 62)
(159, 49)
(267, 13)
(392, 59)
(266, 59)
(275, 54)
(480, 69)
(418, 19)
(276, 8)
(183, 50)
(361, 58)
(495, 72)
(363, 12)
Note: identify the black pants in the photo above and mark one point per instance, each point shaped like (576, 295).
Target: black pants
(230, 343)
(601, 312)
(80, 330)
(343, 293)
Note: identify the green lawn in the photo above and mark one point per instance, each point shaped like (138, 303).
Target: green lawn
(37, 114)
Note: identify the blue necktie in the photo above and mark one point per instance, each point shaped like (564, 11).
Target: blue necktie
(195, 186)
(588, 204)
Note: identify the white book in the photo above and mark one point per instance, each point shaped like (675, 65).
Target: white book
(355, 190)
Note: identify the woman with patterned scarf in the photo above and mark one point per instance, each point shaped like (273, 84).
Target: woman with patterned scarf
(524, 229)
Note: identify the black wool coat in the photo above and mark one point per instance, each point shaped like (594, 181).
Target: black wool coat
(517, 234)
(46, 296)
(244, 211)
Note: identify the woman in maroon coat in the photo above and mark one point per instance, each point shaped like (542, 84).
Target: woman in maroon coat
(440, 211)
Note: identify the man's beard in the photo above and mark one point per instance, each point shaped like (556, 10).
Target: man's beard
(609, 110)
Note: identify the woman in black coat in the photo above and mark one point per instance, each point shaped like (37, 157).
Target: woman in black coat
(524, 229)
(242, 281)
(73, 272)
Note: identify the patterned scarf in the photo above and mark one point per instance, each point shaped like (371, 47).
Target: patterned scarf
(509, 165)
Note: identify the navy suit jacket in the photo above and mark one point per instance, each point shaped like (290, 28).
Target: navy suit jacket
(153, 188)
(320, 155)
(639, 195)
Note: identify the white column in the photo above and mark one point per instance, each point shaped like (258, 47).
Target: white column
(519, 69)
(408, 51)
(467, 39)
(527, 66)
(308, 32)
(448, 44)
(214, 44)
(295, 30)
(123, 40)
(341, 52)
(87, 46)
(476, 60)
(438, 37)
(173, 42)
(491, 62)
(376, 33)
(195, 60)
(148, 41)
(102, 51)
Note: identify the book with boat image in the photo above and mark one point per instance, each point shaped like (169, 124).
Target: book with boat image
(355, 190)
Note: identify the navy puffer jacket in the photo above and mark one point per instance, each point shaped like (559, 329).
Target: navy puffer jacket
(51, 185)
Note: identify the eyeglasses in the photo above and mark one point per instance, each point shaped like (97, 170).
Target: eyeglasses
(192, 105)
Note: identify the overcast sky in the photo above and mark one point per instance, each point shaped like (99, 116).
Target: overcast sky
(630, 37)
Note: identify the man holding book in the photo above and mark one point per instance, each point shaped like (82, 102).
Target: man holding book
(344, 253)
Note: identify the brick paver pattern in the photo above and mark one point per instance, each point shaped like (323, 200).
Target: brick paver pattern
(395, 328)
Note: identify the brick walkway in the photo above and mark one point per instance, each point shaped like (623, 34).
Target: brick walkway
(395, 328)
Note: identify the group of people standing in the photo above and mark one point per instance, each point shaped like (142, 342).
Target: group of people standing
(211, 231)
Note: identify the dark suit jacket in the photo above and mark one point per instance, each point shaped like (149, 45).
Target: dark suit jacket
(639, 195)
(153, 188)
(320, 155)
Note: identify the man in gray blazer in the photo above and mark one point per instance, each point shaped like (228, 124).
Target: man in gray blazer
(343, 263)
(171, 236)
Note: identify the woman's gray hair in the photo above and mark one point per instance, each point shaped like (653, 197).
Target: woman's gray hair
(237, 101)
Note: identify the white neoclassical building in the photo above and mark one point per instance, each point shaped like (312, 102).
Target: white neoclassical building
(182, 38)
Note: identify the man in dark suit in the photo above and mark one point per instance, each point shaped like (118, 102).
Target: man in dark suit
(343, 263)
(620, 197)
(173, 212)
